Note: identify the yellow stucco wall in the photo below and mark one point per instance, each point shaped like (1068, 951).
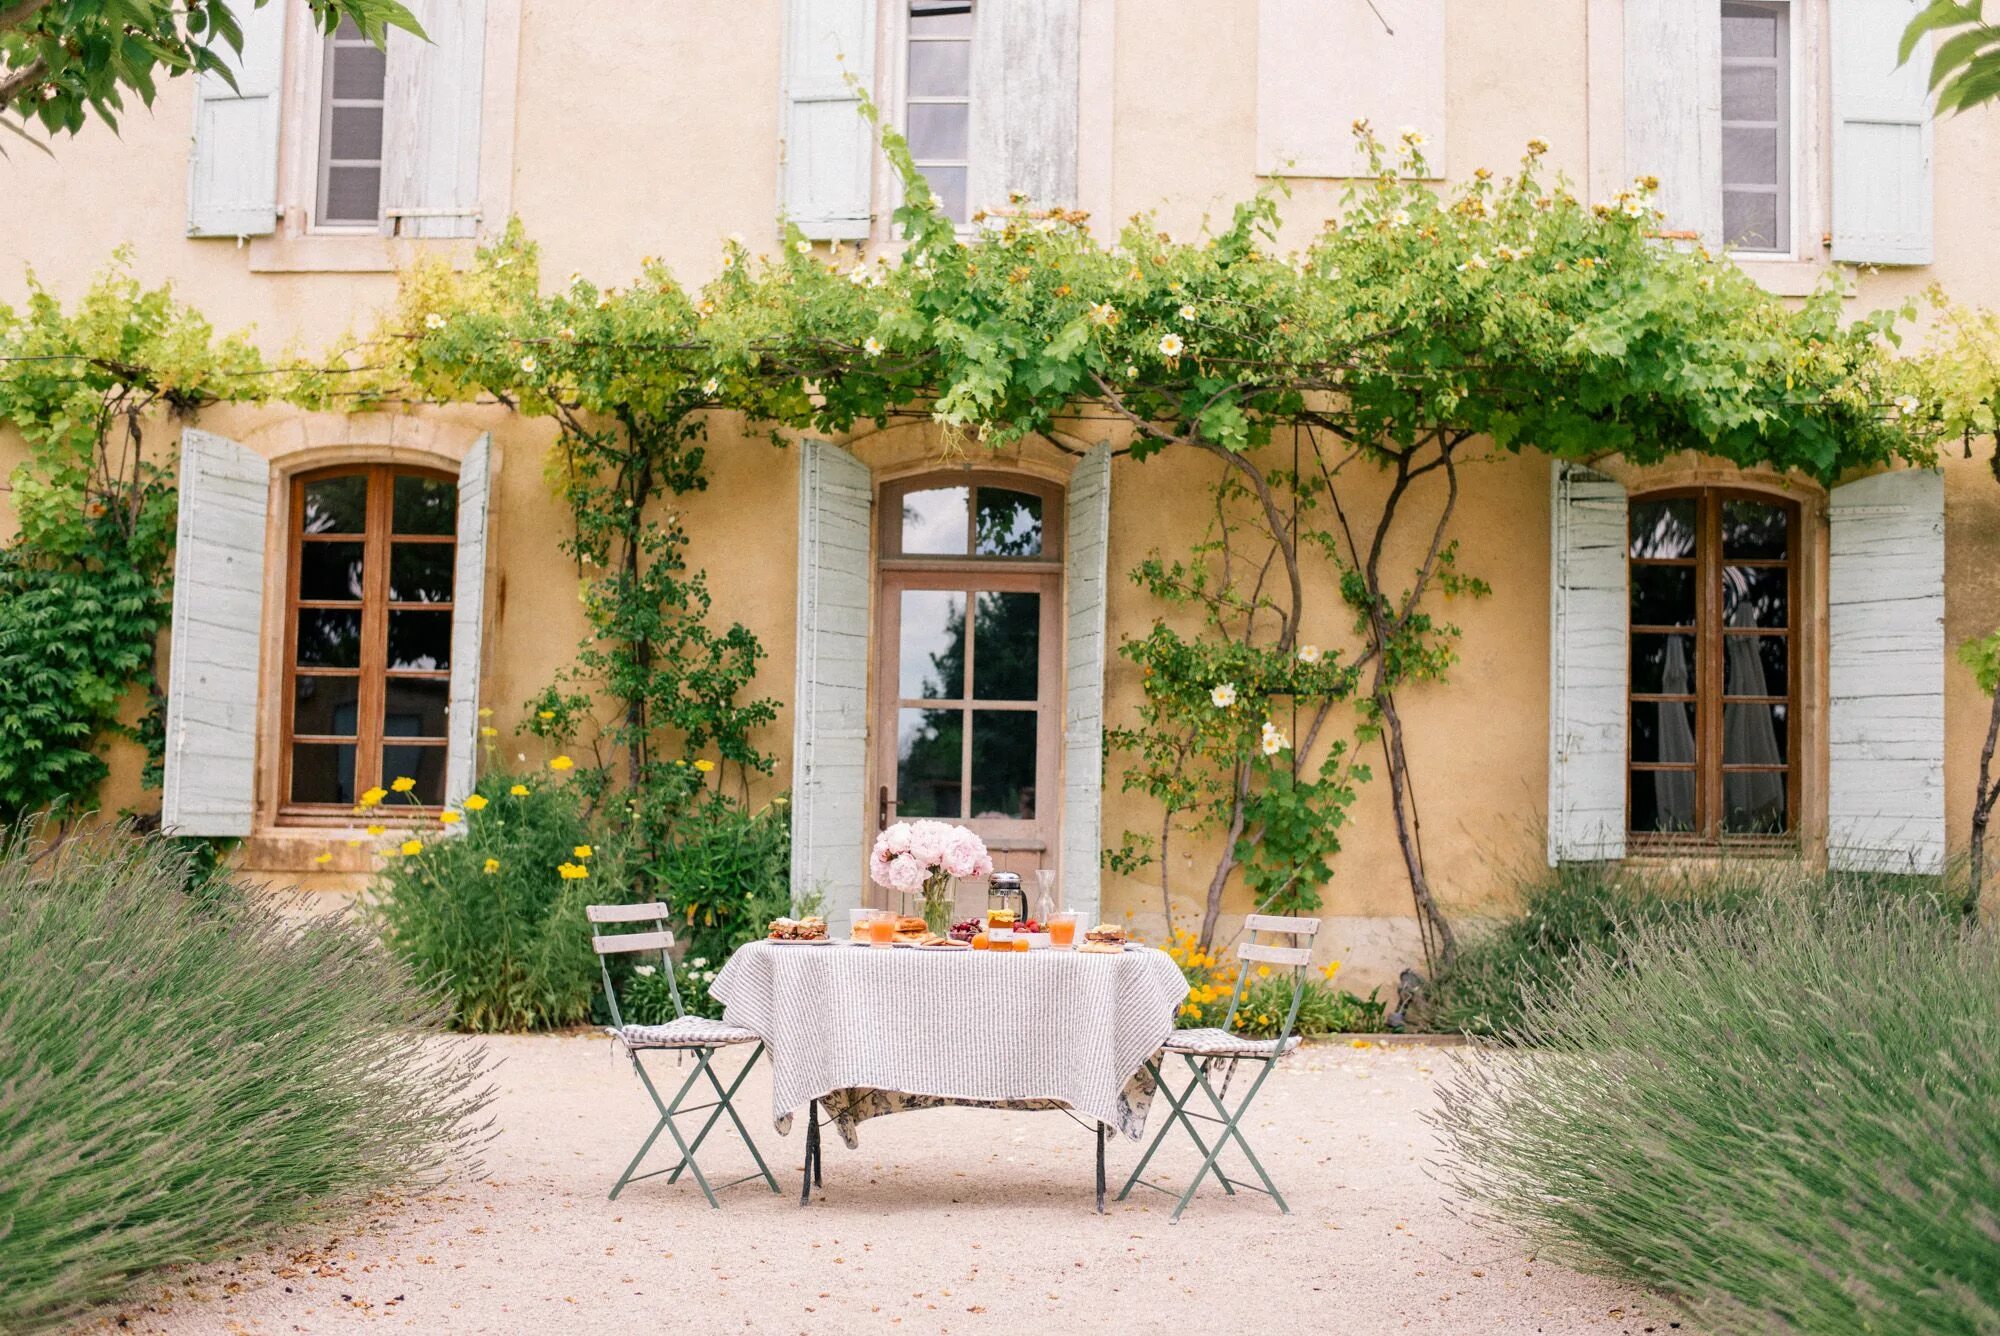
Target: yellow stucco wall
(654, 134)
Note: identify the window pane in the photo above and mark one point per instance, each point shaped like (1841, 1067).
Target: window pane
(1749, 155)
(354, 132)
(323, 773)
(948, 183)
(1755, 596)
(359, 70)
(353, 195)
(1754, 803)
(1663, 732)
(1747, 31)
(940, 69)
(1663, 528)
(419, 641)
(1663, 665)
(1754, 530)
(1007, 646)
(938, 131)
(426, 505)
(413, 707)
(423, 764)
(1755, 666)
(932, 654)
(1663, 596)
(1007, 524)
(326, 706)
(330, 570)
(1753, 734)
(336, 505)
(1663, 801)
(941, 18)
(421, 572)
(1749, 92)
(1003, 763)
(1750, 220)
(329, 638)
(934, 522)
(929, 760)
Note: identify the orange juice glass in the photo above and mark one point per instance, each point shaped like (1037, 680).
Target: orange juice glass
(882, 930)
(1062, 930)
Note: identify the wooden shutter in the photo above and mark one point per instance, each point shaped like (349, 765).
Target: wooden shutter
(1024, 103)
(1588, 665)
(430, 149)
(830, 697)
(1324, 64)
(233, 171)
(468, 623)
(1085, 543)
(828, 150)
(217, 638)
(1673, 108)
(1881, 136)
(1885, 673)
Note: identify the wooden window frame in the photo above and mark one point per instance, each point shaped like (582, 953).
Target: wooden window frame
(1711, 639)
(373, 672)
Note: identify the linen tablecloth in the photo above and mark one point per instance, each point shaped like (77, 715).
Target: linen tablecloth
(873, 1030)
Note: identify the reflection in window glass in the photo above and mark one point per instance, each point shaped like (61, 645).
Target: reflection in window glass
(1755, 530)
(324, 706)
(1003, 764)
(330, 571)
(934, 522)
(1756, 666)
(423, 764)
(426, 505)
(1663, 802)
(414, 707)
(1662, 665)
(1753, 802)
(336, 505)
(931, 659)
(1007, 524)
(1663, 596)
(929, 761)
(421, 572)
(419, 642)
(1007, 646)
(323, 773)
(1755, 596)
(329, 638)
(1663, 530)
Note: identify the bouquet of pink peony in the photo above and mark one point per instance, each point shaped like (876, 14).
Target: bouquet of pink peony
(922, 857)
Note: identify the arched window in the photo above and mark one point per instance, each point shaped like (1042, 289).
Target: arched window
(1714, 731)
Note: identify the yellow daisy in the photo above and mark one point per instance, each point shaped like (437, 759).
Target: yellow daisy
(402, 784)
(475, 802)
(561, 763)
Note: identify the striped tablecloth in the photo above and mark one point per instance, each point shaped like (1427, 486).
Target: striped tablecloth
(872, 1030)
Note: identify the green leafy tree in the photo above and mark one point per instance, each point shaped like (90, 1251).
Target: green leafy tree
(61, 59)
(1965, 65)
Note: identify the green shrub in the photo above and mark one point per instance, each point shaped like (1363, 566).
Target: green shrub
(1267, 995)
(1785, 1116)
(1577, 912)
(487, 913)
(726, 870)
(176, 1078)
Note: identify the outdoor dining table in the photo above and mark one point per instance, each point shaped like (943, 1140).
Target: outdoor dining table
(865, 1031)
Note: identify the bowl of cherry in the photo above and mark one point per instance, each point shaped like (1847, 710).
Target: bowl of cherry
(1033, 930)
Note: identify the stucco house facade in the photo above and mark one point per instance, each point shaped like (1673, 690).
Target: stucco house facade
(1674, 658)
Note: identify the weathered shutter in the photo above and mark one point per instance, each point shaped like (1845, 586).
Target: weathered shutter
(1673, 108)
(829, 149)
(830, 698)
(1085, 538)
(1588, 612)
(468, 622)
(430, 131)
(1024, 103)
(233, 171)
(1881, 136)
(1324, 64)
(217, 638)
(1885, 673)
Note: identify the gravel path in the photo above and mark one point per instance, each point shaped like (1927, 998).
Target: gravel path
(953, 1220)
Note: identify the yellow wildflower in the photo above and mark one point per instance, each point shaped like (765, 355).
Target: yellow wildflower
(581, 852)
(412, 847)
(573, 871)
(1263, 971)
(704, 765)
(475, 802)
(378, 831)
(561, 763)
(486, 712)
(323, 858)
(492, 866)
(488, 731)
(402, 784)
(373, 796)
(545, 714)
(519, 790)
(448, 817)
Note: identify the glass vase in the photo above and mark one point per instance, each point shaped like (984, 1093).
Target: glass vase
(938, 903)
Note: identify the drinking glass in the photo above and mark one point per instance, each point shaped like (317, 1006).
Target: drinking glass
(882, 929)
(1062, 929)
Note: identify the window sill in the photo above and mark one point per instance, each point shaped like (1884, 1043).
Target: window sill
(1787, 278)
(362, 253)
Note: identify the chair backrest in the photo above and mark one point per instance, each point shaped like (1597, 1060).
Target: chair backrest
(660, 939)
(1295, 955)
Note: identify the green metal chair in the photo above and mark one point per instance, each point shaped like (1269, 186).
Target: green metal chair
(1203, 1049)
(685, 1034)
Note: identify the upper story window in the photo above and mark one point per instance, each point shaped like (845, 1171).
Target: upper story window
(368, 660)
(937, 102)
(1757, 125)
(1713, 672)
(354, 86)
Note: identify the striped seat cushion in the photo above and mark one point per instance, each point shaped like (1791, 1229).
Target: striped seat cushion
(687, 1032)
(1222, 1044)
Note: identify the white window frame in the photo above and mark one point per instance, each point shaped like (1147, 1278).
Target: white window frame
(318, 144)
(1799, 130)
(892, 86)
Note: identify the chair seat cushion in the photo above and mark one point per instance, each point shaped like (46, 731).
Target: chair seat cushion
(687, 1032)
(1210, 1043)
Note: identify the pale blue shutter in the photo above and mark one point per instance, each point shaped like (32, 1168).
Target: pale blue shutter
(1885, 673)
(233, 170)
(1588, 616)
(830, 696)
(1024, 103)
(829, 150)
(1881, 136)
(430, 135)
(1673, 108)
(1086, 541)
(217, 638)
(468, 622)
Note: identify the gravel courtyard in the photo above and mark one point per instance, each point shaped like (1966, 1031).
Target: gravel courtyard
(952, 1220)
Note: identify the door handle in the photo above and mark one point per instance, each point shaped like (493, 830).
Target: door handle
(882, 809)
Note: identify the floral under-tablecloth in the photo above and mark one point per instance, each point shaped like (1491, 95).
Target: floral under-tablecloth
(875, 1030)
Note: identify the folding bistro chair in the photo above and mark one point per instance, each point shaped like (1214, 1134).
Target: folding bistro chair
(684, 1034)
(1203, 1049)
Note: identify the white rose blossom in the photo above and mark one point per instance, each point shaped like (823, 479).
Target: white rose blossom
(872, 346)
(1172, 345)
(1223, 695)
(1308, 654)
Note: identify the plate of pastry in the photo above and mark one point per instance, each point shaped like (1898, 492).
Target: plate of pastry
(1106, 939)
(807, 931)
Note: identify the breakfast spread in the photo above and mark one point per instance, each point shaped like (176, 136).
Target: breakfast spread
(811, 928)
